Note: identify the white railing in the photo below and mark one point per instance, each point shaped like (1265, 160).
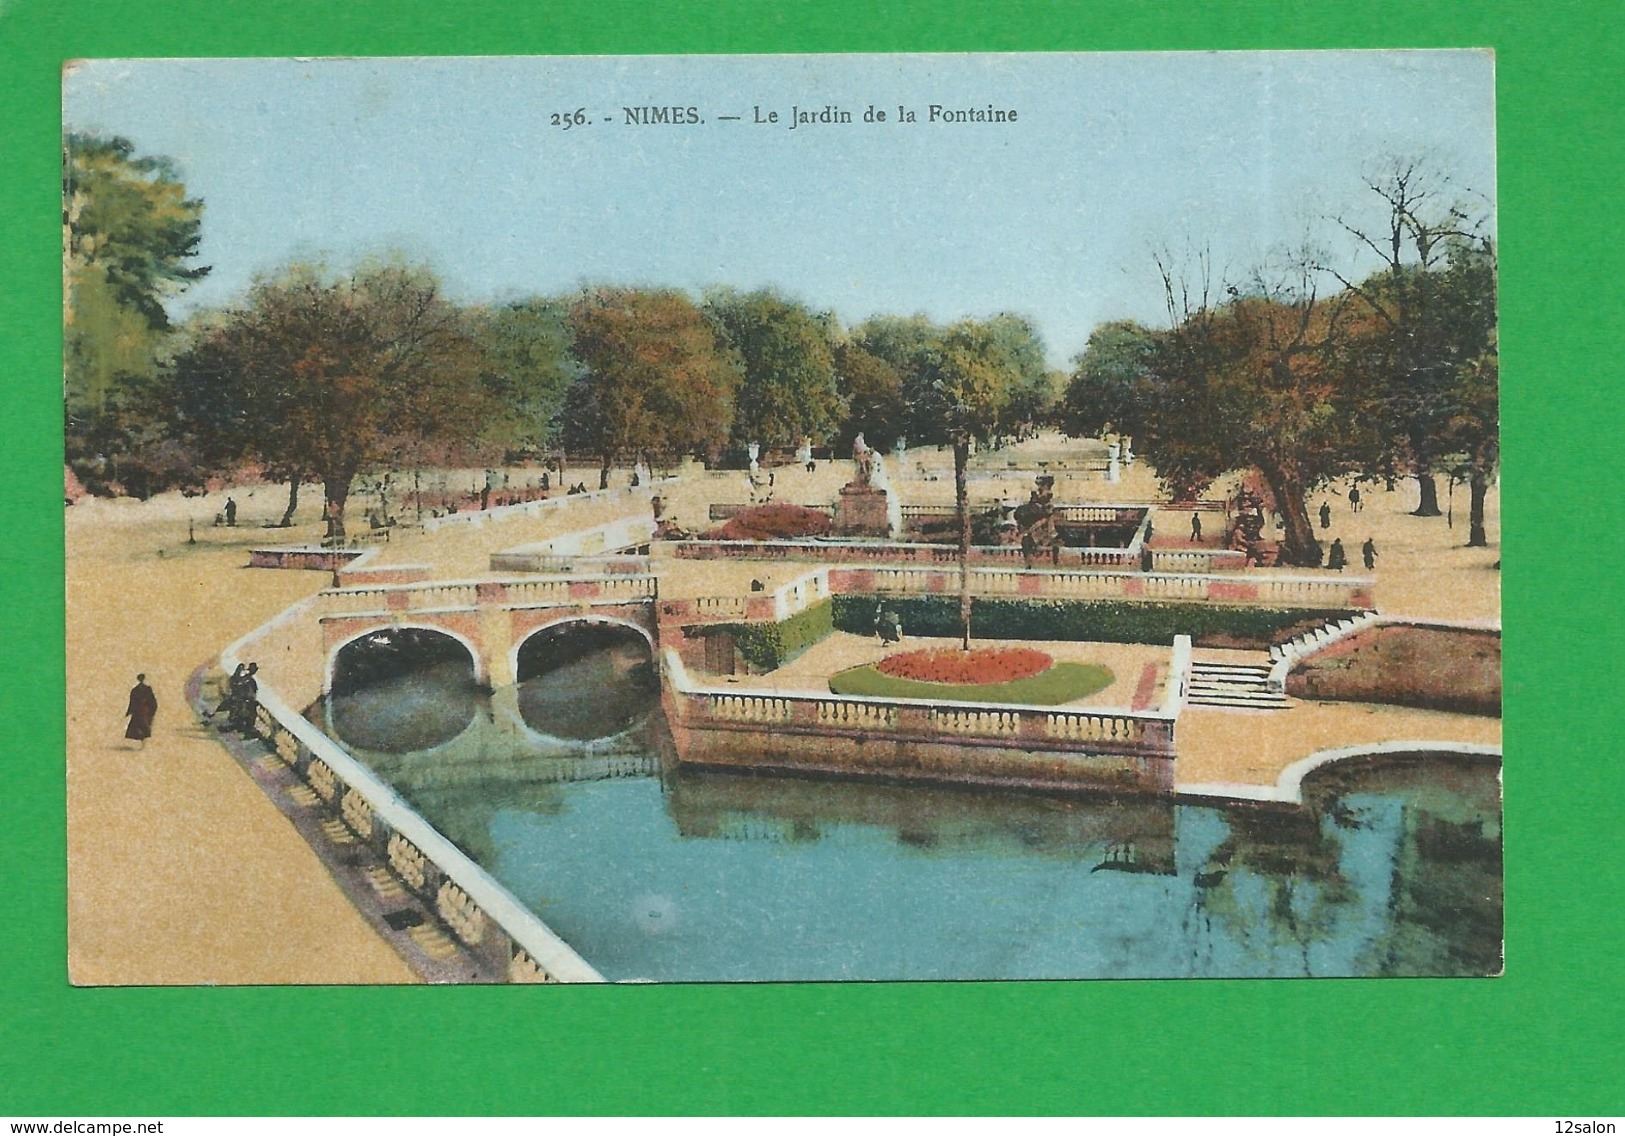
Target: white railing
(467, 898)
(560, 502)
(1179, 677)
(1252, 589)
(1197, 560)
(800, 593)
(442, 595)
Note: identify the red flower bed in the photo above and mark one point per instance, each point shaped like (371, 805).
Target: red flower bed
(773, 522)
(976, 667)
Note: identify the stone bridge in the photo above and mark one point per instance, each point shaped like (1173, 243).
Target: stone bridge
(492, 619)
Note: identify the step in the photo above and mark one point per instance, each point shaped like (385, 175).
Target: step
(1259, 698)
(1230, 668)
(1198, 687)
(1236, 704)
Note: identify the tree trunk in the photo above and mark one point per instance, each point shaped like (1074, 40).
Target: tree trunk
(293, 500)
(336, 491)
(962, 503)
(603, 473)
(1479, 483)
(1429, 506)
(1299, 546)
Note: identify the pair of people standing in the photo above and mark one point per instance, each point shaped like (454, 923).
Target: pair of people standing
(241, 700)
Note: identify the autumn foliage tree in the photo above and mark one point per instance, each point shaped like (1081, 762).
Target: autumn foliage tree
(325, 378)
(656, 378)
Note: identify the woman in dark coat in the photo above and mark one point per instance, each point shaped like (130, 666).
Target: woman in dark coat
(142, 710)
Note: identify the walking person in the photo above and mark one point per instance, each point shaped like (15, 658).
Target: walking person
(1196, 527)
(231, 513)
(1337, 559)
(1325, 515)
(143, 708)
(1354, 498)
(1368, 553)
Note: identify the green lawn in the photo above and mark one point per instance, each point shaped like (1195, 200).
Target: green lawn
(1063, 682)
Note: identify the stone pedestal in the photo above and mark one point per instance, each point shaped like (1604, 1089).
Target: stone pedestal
(863, 510)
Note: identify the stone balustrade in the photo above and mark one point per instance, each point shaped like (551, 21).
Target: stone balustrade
(1339, 592)
(1102, 730)
(446, 595)
(485, 919)
(890, 552)
(562, 504)
(1197, 560)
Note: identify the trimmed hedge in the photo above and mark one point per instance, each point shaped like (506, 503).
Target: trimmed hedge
(1099, 621)
(768, 646)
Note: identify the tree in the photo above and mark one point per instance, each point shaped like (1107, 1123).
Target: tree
(526, 370)
(328, 377)
(961, 394)
(656, 379)
(1472, 425)
(1111, 388)
(872, 391)
(1033, 389)
(1421, 340)
(788, 389)
(130, 233)
(1252, 382)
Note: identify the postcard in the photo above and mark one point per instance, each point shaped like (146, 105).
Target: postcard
(794, 518)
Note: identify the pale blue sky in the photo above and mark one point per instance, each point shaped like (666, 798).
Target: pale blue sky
(453, 161)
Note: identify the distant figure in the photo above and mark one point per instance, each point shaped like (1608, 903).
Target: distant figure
(485, 496)
(1325, 515)
(1337, 559)
(1354, 499)
(1196, 527)
(1368, 553)
(544, 481)
(143, 708)
(888, 625)
(231, 513)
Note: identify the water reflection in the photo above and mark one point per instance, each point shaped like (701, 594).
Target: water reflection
(652, 872)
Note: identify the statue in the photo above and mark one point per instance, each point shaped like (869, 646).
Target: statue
(866, 507)
(865, 459)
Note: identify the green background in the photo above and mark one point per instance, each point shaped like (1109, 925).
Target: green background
(1544, 1039)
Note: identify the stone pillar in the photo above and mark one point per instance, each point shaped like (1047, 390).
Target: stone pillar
(1114, 471)
(496, 638)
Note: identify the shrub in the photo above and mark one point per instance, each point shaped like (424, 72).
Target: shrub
(768, 646)
(1099, 621)
(773, 522)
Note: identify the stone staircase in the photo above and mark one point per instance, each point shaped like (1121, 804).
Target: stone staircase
(1284, 656)
(1239, 686)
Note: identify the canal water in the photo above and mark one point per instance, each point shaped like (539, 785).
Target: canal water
(557, 787)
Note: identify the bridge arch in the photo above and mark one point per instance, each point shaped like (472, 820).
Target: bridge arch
(476, 656)
(576, 619)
